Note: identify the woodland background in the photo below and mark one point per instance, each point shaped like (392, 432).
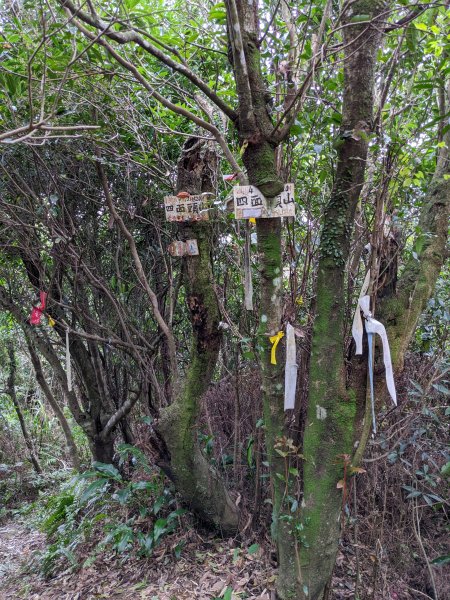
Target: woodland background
(105, 109)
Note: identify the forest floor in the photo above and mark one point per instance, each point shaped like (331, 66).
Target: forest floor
(207, 568)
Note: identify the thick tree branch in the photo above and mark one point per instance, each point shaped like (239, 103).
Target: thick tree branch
(246, 112)
(132, 36)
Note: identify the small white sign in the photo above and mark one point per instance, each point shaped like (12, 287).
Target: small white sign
(249, 202)
(192, 208)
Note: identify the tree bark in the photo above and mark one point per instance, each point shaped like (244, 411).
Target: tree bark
(199, 484)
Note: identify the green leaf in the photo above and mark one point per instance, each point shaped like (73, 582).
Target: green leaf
(360, 18)
(440, 561)
(108, 470)
(159, 529)
(92, 489)
(445, 469)
(122, 496)
(253, 549)
(441, 388)
(159, 502)
(228, 593)
(421, 26)
(295, 129)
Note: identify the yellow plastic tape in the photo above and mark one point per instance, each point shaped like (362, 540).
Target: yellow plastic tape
(51, 322)
(274, 340)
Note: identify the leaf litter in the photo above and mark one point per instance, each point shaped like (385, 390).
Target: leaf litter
(208, 568)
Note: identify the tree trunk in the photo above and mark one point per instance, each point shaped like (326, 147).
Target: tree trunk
(332, 407)
(11, 390)
(199, 484)
(54, 404)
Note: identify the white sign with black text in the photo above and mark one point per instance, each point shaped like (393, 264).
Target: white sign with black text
(249, 202)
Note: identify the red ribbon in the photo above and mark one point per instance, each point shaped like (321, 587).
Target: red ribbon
(36, 312)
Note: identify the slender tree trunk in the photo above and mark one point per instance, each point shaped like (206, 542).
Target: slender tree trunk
(54, 404)
(11, 389)
(199, 484)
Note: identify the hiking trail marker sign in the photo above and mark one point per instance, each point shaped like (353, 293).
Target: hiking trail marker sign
(249, 202)
(187, 208)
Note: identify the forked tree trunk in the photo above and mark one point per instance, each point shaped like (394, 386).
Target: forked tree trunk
(198, 482)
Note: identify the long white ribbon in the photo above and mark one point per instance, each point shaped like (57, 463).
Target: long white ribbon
(290, 373)
(357, 327)
(68, 364)
(248, 283)
(374, 326)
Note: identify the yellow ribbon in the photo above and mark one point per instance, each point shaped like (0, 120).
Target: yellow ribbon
(51, 322)
(274, 340)
(252, 220)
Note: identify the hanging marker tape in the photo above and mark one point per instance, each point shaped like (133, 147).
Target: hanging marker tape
(290, 374)
(68, 365)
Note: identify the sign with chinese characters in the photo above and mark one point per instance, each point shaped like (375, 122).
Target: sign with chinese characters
(249, 202)
(189, 208)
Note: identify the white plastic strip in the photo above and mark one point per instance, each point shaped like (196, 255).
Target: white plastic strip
(357, 327)
(248, 282)
(374, 326)
(68, 364)
(290, 374)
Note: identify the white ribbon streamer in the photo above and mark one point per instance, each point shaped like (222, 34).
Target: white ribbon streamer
(290, 373)
(248, 283)
(357, 327)
(68, 364)
(374, 326)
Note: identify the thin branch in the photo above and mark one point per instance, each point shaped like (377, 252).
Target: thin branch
(139, 267)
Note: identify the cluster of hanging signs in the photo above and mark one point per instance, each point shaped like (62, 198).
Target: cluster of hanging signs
(249, 203)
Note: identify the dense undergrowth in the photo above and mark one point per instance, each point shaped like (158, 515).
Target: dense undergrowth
(394, 542)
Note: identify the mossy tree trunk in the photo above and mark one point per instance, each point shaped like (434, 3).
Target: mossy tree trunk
(255, 130)
(198, 482)
(332, 405)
